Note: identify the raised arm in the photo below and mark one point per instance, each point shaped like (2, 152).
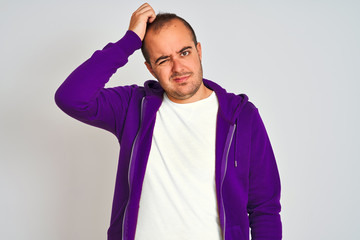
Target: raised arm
(83, 94)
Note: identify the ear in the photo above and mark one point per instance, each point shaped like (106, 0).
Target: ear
(148, 66)
(198, 48)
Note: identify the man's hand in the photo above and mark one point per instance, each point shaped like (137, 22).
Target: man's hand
(139, 19)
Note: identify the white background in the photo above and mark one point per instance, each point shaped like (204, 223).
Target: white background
(298, 61)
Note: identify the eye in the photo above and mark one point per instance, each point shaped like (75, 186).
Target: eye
(162, 61)
(184, 53)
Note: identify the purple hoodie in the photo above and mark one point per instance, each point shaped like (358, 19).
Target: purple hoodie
(246, 175)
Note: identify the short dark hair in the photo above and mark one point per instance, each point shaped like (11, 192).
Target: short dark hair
(159, 22)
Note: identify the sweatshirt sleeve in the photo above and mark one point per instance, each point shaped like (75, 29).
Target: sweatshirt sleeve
(264, 186)
(83, 96)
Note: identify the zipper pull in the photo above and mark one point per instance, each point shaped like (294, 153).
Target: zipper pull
(235, 163)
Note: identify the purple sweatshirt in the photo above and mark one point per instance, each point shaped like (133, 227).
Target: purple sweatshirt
(246, 175)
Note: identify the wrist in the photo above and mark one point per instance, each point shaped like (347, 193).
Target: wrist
(131, 42)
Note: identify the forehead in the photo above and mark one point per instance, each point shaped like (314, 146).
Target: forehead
(172, 37)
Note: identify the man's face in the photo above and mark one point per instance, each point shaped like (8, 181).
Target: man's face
(175, 61)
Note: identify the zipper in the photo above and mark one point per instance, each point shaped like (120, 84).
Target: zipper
(231, 131)
(129, 170)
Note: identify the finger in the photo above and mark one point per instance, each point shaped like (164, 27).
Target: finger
(147, 15)
(143, 5)
(143, 8)
(152, 18)
(145, 12)
(150, 14)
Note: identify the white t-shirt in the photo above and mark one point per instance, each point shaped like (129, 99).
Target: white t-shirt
(178, 198)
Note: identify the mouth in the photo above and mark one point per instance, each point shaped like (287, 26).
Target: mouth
(181, 79)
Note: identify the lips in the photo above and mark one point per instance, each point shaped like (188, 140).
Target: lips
(181, 78)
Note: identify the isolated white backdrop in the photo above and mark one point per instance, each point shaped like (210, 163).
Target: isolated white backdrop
(298, 61)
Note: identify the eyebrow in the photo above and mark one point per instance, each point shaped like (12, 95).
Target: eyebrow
(165, 57)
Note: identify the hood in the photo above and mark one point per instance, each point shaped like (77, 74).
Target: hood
(230, 104)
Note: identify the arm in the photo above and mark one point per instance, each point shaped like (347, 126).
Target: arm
(264, 186)
(83, 96)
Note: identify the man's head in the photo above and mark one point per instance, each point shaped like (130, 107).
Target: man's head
(173, 57)
(160, 21)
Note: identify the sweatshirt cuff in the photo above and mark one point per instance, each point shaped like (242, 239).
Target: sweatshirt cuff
(130, 42)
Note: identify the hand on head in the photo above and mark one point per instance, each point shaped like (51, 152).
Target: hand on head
(145, 13)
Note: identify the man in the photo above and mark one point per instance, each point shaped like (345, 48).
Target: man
(195, 161)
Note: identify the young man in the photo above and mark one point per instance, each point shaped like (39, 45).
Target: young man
(195, 161)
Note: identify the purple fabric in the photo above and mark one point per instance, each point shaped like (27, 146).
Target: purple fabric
(246, 175)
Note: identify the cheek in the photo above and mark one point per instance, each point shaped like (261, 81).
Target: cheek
(195, 62)
(164, 73)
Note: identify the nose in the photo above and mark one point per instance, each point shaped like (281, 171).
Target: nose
(177, 65)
